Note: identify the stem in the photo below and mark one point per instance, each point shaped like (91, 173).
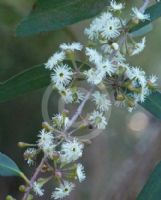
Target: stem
(79, 110)
(22, 175)
(34, 177)
(144, 6)
(75, 65)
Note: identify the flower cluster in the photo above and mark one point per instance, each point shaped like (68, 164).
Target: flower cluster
(61, 154)
(105, 67)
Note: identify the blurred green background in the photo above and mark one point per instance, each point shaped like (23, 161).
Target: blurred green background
(119, 161)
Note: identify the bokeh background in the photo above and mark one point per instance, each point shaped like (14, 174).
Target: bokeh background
(120, 160)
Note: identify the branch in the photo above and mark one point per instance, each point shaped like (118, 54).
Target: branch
(144, 6)
(79, 110)
(33, 179)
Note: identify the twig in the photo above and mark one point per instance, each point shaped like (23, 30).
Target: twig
(144, 6)
(79, 110)
(34, 177)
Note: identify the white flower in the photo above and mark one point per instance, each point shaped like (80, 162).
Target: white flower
(93, 76)
(79, 96)
(116, 6)
(60, 121)
(139, 15)
(55, 59)
(142, 95)
(62, 75)
(96, 26)
(80, 172)
(94, 56)
(71, 150)
(49, 149)
(30, 155)
(137, 74)
(45, 142)
(67, 95)
(63, 190)
(45, 137)
(139, 47)
(37, 189)
(70, 95)
(111, 28)
(153, 79)
(101, 101)
(98, 120)
(105, 67)
(71, 47)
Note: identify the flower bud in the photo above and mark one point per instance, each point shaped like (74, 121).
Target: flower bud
(135, 21)
(46, 126)
(55, 156)
(115, 46)
(70, 55)
(22, 188)
(9, 197)
(44, 168)
(131, 103)
(22, 144)
(119, 97)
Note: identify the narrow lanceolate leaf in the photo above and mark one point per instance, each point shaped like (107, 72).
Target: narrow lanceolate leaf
(153, 104)
(32, 79)
(8, 167)
(142, 31)
(38, 77)
(155, 13)
(55, 14)
(29, 80)
(152, 189)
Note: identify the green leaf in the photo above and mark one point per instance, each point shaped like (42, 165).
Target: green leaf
(38, 77)
(142, 31)
(153, 104)
(48, 15)
(155, 13)
(152, 189)
(8, 167)
(27, 81)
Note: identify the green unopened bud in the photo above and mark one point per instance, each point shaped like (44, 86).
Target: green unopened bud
(84, 125)
(22, 188)
(119, 97)
(55, 156)
(9, 197)
(120, 70)
(133, 89)
(23, 144)
(131, 103)
(47, 126)
(152, 86)
(135, 21)
(30, 197)
(65, 113)
(70, 55)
